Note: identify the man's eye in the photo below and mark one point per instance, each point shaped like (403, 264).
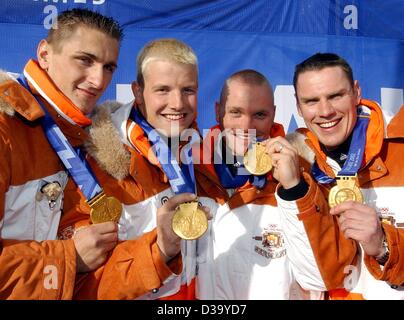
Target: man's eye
(189, 91)
(260, 115)
(110, 68)
(335, 97)
(85, 60)
(311, 102)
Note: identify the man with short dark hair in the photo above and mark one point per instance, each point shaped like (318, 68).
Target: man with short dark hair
(359, 171)
(43, 114)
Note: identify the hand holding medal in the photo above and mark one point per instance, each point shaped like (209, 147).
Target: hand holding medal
(180, 218)
(284, 160)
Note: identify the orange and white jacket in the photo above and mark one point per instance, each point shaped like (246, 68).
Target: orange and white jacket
(393, 270)
(29, 222)
(256, 246)
(382, 183)
(120, 160)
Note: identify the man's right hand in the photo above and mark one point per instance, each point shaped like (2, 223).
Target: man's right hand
(168, 242)
(93, 244)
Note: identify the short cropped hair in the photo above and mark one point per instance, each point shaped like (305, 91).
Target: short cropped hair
(172, 50)
(248, 76)
(320, 61)
(68, 21)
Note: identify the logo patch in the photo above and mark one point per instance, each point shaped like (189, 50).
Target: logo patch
(272, 243)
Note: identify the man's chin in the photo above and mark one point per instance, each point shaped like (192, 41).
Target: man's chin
(172, 132)
(86, 109)
(237, 149)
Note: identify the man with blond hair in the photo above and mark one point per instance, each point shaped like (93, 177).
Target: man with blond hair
(150, 181)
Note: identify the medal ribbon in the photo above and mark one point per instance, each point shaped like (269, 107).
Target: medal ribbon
(356, 150)
(73, 160)
(181, 177)
(231, 180)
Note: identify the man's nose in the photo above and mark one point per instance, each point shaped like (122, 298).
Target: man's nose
(325, 108)
(96, 77)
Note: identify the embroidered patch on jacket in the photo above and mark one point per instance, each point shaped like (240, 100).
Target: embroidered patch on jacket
(272, 243)
(50, 191)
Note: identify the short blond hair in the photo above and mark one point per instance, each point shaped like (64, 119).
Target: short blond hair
(168, 49)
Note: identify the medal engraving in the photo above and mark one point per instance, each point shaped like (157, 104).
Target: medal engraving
(105, 209)
(189, 221)
(257, 161)
(345, 190)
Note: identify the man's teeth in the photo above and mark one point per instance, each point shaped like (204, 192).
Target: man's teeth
(174, 116)
(328, 124)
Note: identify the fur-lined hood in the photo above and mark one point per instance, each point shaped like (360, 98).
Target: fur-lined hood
(105, 144)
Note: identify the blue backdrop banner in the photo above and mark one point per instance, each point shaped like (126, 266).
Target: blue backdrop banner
(271, 36)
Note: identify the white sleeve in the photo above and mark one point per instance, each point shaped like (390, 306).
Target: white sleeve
(298, 249)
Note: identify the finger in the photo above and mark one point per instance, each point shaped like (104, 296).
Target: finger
(351, 234)
(274, 147)
(173, 202)
(341, 208)
(105, 227)
(279, 141)
(208, 214)
(349, 225)
(100, 240)
(286, 156)
(109, 246)
(354, 209)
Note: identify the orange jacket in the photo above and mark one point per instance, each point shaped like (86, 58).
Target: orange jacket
(393, 270)
(135, 266)
(381, 182)
(28, 224)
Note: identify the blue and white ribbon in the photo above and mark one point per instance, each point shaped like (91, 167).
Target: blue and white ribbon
(356, 150)
(73, 160)
(181, 177)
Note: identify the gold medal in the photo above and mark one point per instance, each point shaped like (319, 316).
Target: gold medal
(257, 161)
(345, 190)
(105, 209)
(189, 221)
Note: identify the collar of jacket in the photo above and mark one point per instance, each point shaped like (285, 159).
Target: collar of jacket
(395, 129)
(374, 143)
(16, 99)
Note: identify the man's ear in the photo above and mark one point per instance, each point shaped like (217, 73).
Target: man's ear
(137, 92)
(217, 111)
(298, 106)
(357, 91)
(43, 53)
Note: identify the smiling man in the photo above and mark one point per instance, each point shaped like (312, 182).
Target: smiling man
(246, 253)
(149, 180)
(43, 114)
(358, 168)
(240, 123)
